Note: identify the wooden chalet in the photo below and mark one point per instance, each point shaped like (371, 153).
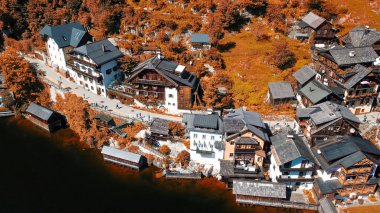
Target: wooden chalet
(351, 161)
(44, 117)
(280, 93)
(159, 129)
(317, 29)
(102, 120)
(315, 92)
(161, 82)
(259, 193)
(123, 158)
(327, 119)
(363, 37)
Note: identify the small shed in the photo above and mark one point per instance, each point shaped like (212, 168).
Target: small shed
(258, 192)
(123, 158)
(280, 93)
(44, 117)
(159, 129)
(104, 121)
(200, 41)
(304, 75)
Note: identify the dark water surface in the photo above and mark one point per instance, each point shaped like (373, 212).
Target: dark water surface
(43, 172)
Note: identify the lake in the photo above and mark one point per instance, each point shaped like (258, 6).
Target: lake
(44, 172)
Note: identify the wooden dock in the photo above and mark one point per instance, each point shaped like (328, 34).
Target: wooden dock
(190, 176)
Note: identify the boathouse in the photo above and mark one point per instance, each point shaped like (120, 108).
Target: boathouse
(44, 117)
(123, 158)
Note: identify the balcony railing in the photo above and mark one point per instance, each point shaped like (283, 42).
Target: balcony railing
(286, 178)
(150, 82)
(244, 150)
(81, 61)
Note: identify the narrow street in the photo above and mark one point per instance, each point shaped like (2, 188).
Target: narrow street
(105, 102)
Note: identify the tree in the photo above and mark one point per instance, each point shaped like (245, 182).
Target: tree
(134, 149)
(19, 77)
(281, 56)
(184, 158)
(164, 149)
(213, 94)
(176, 129)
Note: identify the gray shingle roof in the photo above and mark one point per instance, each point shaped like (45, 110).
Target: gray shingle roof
(358, 55)
(103, 117)
(247, 140)
(289, 149)
(362, 37)
(315, 91)
(200, 38)
(249, 117)
(305, 112)
(233, 125)
(304, 74)
(39, 111)
(259, 189)
(361, 72)
(281, 90)
(328, 111)
(70, 34)
(129, 156)
(206, 121)
(329, 186)
(167, 69)
(326, 206)
(352, 159)
(160, 126)
(313, 20)
(100, 52)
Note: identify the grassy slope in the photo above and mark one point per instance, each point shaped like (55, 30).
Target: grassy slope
(247, 60)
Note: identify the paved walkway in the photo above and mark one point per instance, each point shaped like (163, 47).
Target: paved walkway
(124, 111)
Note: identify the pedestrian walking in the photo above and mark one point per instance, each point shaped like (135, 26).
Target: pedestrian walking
(117, 106)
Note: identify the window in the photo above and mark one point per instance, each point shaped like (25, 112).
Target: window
(156, 94)
(145, 93)
(169, 104)
(212, 137)
(170, 95)
(92, 88)
(330, 128)
(114, 69)
(115, 76)
(89, 71)
(173, 104)
(91, 80)
(231, 154)
(203, 136)
(195, 136)
(108, 71)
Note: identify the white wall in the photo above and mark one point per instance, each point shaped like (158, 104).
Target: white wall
(208, 144)
(171, 103)
(56, 54)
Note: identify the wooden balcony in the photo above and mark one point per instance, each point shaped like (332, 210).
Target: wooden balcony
(149, 82)
(240, 150)
(81, 61)
(357, 170)
(286, 178)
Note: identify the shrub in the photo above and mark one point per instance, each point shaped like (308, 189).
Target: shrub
(164, 149)
(184, 158)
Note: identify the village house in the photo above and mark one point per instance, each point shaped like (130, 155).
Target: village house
(102, 120)
(44, 117)
(163, 83)
(61, 40)
(200, 42)
(316, 29)
(347, 168)
(246, 145)
(327, 119)
(259, 193)
(95, 65)
(206, 138)
(315, 92)
(304, 75)
(363, 37)
(159, 130)
(292, 161)
(280, 93)
(123, 158)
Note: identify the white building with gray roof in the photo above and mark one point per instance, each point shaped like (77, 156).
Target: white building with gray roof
(206, 138)
(292, 161)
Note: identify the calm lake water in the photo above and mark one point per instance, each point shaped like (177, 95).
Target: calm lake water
(43, 172)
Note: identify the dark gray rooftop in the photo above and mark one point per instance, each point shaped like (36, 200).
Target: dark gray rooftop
(249, 117)
(362, 37)
(233, 125)
(129, 156)
(313, 20)
(70, 34)
(171, 70)
(315, 91)
(39, 111)
(206, 121)
(103, 117)
(304, 74)
(100, 52)
(361, 72)
(354, 55)
(200, 38)
(259, 188)
(247, 140)
(326, 206)
(160, 126)
(281, 90)
(288, 146)
(329, 186)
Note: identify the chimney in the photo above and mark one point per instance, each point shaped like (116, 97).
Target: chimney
(351, 53)
(159, 55)
(244, 108)
(311, 89)
(319, 151)
(103, 48)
